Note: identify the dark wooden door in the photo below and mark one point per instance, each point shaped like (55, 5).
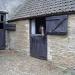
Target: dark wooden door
(2, 39)
(38, 46)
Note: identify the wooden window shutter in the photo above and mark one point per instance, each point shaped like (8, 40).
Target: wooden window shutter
(10, 27)
(56, 25)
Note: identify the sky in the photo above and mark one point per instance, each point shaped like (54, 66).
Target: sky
(9, 5)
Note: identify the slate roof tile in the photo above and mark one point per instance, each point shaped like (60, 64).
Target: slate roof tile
(42, 7)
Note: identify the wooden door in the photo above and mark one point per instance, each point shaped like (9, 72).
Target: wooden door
(2, 39)
(38, 46)
(38, 43)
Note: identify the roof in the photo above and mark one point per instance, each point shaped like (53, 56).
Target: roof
(31, 8)
(3, 12)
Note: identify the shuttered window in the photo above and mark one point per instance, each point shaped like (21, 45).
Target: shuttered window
(10, 27)
(56, 25)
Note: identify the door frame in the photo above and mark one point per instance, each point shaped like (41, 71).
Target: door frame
(36, 34)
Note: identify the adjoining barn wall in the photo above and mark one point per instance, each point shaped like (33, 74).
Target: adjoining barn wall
(61, 49)
(19, 40)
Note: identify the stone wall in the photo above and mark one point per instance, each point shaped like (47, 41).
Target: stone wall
(19, 40)
(61, 49)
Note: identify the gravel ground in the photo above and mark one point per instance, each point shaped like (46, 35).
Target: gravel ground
(14, 63)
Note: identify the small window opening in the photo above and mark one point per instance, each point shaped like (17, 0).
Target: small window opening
(40, 25)
(1, 25)
(2, 17)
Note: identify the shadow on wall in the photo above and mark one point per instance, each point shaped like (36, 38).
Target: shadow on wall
(69, 72)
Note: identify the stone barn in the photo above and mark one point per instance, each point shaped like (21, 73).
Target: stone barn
(45, 29)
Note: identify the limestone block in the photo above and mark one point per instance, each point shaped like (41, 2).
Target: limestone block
(19, 39)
